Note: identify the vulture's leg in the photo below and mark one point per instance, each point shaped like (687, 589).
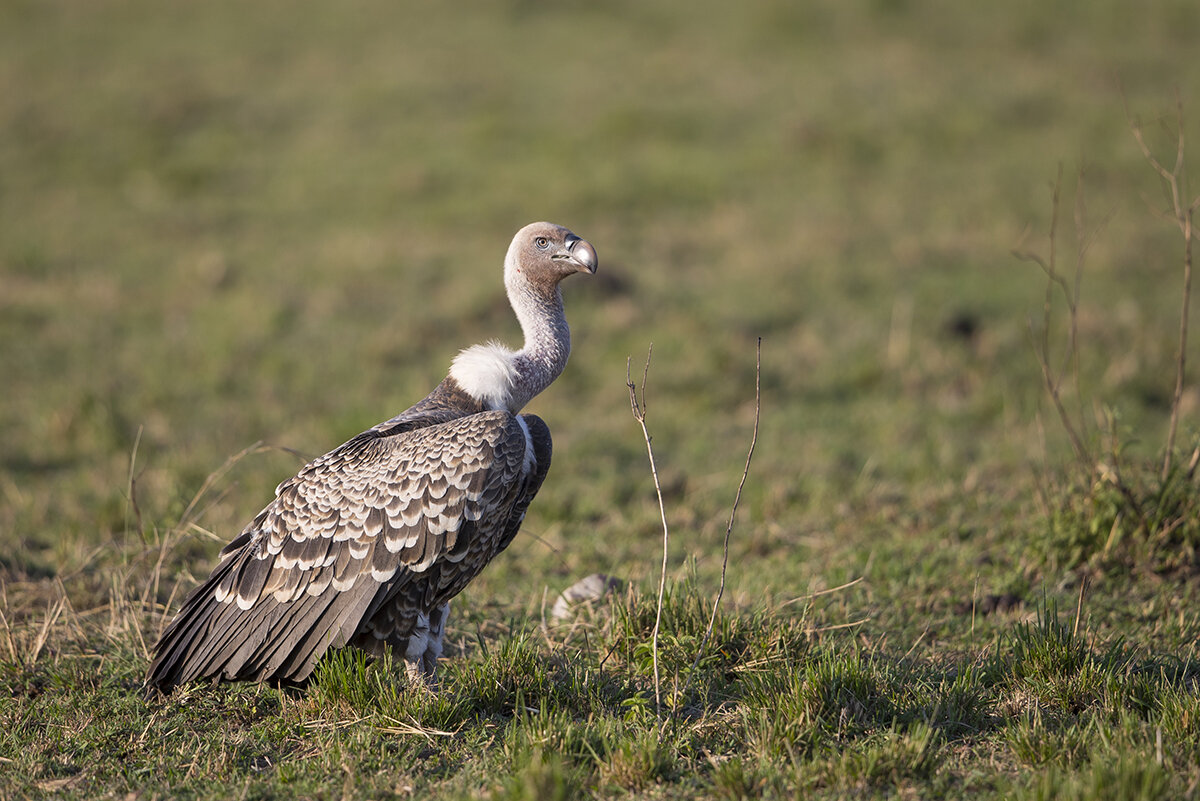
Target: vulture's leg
(433, 650)
(424, 645)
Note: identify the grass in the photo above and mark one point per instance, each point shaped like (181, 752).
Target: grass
(279, 227)
(778, 710)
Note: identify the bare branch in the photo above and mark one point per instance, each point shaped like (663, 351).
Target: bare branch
(1054, 278)
(1135, 126)
(1182, 213)
(732, 516)
(639, 414)
(1050, 377)
(1052, 388)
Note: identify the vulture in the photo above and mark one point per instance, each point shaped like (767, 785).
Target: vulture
(366, 545)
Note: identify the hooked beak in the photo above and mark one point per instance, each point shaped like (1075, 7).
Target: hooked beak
(581, 253)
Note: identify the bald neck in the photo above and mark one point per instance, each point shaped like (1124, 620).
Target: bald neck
(539, 309)
(539, 257)
(501, 378)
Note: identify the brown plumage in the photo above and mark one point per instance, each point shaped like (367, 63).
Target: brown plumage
(367, 544)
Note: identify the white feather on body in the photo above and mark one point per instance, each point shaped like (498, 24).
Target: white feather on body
(486, 373)
(530, 458)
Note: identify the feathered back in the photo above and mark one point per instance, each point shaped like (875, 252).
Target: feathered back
(408, 517)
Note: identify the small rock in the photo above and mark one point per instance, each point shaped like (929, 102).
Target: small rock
(586, 590)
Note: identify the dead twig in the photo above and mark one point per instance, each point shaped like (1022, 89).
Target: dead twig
(737, 498)
(188, 515)
(131, 487)
(1075, 427)
(819, 593)
(639, 414)
(1050, 377)
(1183, 214)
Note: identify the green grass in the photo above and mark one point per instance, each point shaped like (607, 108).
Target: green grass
(228, 224)
(553, 713)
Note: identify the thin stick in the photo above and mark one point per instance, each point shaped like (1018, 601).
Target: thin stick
(639, 414)
(8, 636)
(216, 476)
(1053, 381)
(732, 516)
(819, 593)
(131, 486)
(1079, 607)
(1183, 214)
(839, 626)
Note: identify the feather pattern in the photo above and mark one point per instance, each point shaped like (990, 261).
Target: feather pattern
(367, 544)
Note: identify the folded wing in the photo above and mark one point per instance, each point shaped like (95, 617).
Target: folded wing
(404, 518)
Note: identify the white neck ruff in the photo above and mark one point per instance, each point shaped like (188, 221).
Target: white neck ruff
(487, 373)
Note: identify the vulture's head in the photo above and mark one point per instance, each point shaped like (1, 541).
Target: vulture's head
(542, 254)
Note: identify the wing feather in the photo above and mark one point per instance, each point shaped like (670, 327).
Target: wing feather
(344, 537)
(251, 579)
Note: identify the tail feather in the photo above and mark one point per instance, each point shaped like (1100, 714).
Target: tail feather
(333, 629)
(235, 637)
(269, 641)
(171, 667)
(271, 656)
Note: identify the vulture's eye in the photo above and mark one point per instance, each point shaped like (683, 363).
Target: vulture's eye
(542, 243)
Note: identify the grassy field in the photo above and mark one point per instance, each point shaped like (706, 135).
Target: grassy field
(234, 235)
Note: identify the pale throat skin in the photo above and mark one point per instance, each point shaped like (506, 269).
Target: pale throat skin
(540, 256)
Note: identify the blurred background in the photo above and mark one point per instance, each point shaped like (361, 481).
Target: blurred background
(225, 223)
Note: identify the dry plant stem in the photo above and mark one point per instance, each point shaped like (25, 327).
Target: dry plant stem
(1183, 214)
(1079, 607)
(216, 476)
(8, 637)
(131, 487)
(820, 593)
(639, 414)
(1053, 380)
(1082, 243)
(737, 498)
